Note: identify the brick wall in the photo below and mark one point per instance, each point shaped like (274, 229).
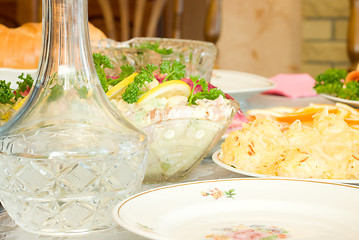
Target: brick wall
(324, 35)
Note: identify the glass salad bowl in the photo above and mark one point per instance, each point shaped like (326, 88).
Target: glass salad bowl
(198, 56)
(179, 136)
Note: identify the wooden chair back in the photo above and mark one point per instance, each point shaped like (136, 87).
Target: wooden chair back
(26, 11)
(128, 28)
(136, 26)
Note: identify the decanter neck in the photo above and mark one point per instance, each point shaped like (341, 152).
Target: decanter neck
(65, 39)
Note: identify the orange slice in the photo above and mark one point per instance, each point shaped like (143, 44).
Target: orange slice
(352, 76)
(303, 114)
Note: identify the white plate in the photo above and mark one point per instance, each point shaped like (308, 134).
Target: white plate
(342, 100)
(216, 159)
(240, 85)
(11, 75)
(244, 209)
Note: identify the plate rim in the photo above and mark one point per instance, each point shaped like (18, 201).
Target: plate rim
(18, 69)
(153, 235)
(266, 80)
(342, 100)
(216, 160)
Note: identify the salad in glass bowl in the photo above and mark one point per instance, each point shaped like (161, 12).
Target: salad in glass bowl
(183, 115)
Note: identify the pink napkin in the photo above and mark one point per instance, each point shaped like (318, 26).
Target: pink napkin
(293, 85)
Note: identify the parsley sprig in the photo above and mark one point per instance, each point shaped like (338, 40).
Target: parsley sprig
(156, 47)
(24, 85)
(174, 70)
(101, 63)
(332, 82)
(133, 90)
(9, 95)
(6, 93)
(126, 70)
(211, 94)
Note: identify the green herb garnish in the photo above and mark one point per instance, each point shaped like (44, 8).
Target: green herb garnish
(101, 63)
(351, 91)
(332, 82)
(24, 85)
(174, 70)
(56, 92)
(156, 47)
(211, 94)
(133, 90)
(83, 92)
(126, 70)
(6, 93)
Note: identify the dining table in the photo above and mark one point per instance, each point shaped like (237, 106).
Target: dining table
(206, 170)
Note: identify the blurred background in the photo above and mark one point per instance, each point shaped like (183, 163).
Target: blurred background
(265, 37)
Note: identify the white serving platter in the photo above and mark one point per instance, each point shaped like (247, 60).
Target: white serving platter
(216, 159)
(352, 103)
(243, 208)
(240, 85)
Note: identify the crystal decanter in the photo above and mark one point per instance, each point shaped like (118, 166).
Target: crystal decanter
(67, 157)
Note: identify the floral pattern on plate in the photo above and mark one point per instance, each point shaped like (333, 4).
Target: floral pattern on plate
(216, 193)
(252, 232)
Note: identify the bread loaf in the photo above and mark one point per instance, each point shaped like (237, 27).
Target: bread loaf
(20, 47)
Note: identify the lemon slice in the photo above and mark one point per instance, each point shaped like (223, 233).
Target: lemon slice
(167, 89)
(119, 87)
(11, 111)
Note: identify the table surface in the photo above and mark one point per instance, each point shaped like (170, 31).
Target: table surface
(206, 170)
